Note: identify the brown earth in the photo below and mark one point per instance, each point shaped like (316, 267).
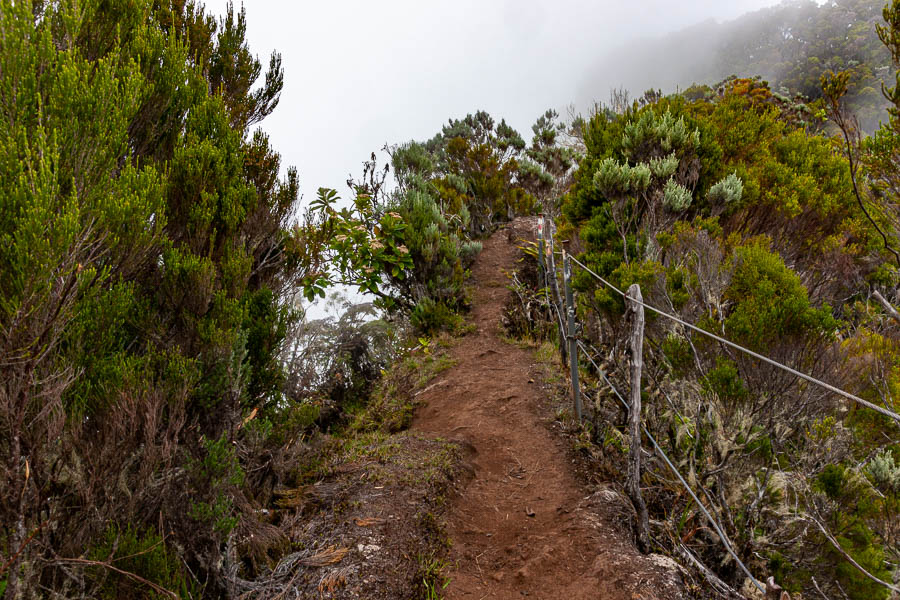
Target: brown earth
(364, 531)
(485, 462)
(525, 525)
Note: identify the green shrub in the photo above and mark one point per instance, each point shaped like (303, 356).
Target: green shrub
(431, 317)
(403, 249)
(677, 351)
(727, 191)
(677, 279)
(770, 303)
(885, 472)
(725, 381)
(214, 476)
(436, 249)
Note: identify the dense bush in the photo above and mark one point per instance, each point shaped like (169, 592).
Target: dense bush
(768, 302)
(411, 246)
(146, 254)
(731, 212)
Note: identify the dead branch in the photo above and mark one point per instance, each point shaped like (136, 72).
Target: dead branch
(97, 563)
(848, 558)
(887, 306)
(717, 584)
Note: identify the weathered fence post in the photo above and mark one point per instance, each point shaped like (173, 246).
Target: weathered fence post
(573, 348)
(635, 310)
(542, 275)
(557, 301)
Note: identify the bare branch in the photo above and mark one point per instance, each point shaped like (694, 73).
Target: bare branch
(849, 558)
(96, 563)
(887, 305)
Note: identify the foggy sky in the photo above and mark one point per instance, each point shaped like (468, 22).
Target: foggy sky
(359, 74)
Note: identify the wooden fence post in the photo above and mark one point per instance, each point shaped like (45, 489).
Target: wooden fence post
(557, 301)
(635, 311)
(542, 274)
(573, 347)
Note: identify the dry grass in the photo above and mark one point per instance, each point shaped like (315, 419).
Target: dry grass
(329, 556)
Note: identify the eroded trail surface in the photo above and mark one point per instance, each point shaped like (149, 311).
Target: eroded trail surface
(524, 526)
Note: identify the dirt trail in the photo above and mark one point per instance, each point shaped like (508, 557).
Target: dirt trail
(524, 526)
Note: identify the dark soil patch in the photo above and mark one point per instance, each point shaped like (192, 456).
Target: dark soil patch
(371, 528)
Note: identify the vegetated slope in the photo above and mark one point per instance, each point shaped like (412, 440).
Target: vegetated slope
(148, 254)
(790, 45)
(731, 214)
(525, 525)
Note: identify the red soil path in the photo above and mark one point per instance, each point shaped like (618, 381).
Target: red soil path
(525, 526)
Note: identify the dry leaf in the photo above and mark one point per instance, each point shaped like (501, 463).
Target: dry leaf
(250, 417)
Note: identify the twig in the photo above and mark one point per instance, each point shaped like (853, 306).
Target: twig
(818, 589)
(849, 128)
(150, 549)
(96, 563)
(22, 547)
(717, 584)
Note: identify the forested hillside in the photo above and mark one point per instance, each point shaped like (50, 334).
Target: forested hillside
(158, 382)
(171, 425)
(790, 46)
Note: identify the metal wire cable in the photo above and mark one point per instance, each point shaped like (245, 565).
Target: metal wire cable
(725, 541)
(740, 348)
(562, 322)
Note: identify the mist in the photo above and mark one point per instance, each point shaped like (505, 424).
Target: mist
(697, 54)
(359, 75)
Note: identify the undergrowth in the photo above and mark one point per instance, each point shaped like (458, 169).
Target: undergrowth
(393, 401)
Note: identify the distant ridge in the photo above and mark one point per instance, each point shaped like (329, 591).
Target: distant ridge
(790, 46)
